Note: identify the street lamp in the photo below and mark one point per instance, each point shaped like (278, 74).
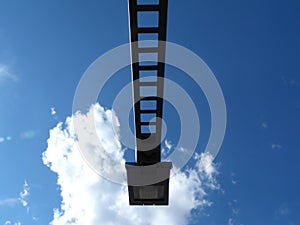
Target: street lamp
(148, 178)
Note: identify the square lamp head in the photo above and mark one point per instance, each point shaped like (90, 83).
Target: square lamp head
(148, 185)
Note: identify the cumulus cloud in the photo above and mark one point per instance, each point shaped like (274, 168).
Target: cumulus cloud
(90, 199)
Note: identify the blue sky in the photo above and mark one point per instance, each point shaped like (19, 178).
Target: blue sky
(252, 48)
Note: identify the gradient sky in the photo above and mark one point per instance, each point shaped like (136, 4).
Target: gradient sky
(251, 46)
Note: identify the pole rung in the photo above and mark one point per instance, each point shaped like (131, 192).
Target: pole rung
(148, 30)
(149, 98)
(147, 123)
(148, 111)
(147, 50)
(148, 67)
(148, 7)
(148, 83)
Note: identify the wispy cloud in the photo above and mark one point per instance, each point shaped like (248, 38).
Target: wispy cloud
(276, 146)
(288, 81)
(230, 221)
(6, 74)
(8, 222)
(168, 144)
(282, 211)
(166, 148)
(22, 199)
(284, 214)
(9, 202)
(233, 206)
(207, 170)
(52, 111)
(90, 199)
(24, 194)
(234, 217)
(28, 134)
(233, 178)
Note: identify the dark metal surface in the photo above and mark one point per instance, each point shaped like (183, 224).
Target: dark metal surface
(164, 200)
(144, 154)
(148, 178)
(155, 177)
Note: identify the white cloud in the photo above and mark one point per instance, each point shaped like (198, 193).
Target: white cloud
(13, 202)
(233, 206)
(52, 110)
(264, 125)
(166, 148)
(24, 194)
(282, 211)
(89, 199)
(181, 149)
(10, 202)
(276, 146)
(8, 222)
(233, 178)
(230, 221)
(207, 170)
(5, 74)
(288, 81)
(168, 144)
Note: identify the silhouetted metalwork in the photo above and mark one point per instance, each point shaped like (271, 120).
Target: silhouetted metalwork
(158, 70)
(153, 190)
